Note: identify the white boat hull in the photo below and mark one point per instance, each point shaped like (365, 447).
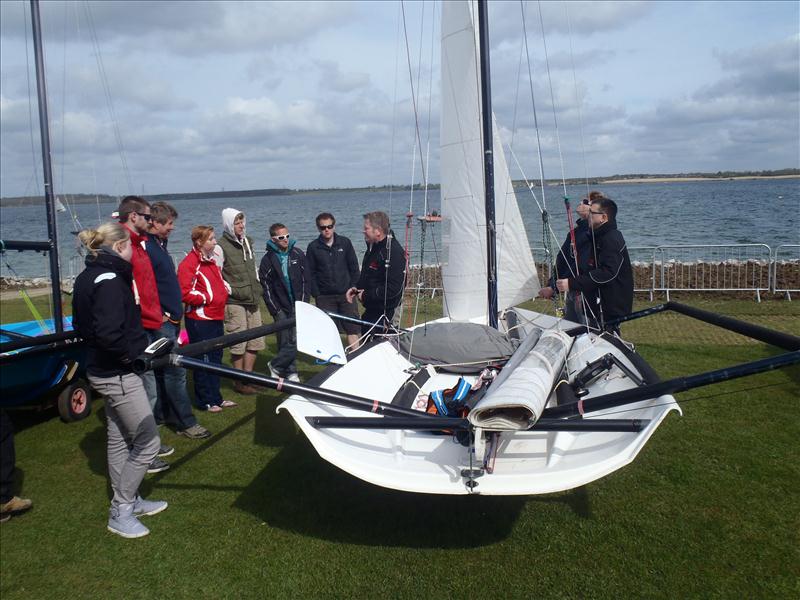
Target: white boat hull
(527, 462)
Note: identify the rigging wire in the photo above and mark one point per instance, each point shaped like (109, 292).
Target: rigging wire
(107, 91)
(34, 157)
(577, 99)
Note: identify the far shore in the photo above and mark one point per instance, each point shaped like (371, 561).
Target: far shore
(684, 179)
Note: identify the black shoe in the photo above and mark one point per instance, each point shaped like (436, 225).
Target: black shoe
(165, 450)
(157, 466)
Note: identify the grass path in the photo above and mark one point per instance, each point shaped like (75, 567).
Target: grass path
(711, 508)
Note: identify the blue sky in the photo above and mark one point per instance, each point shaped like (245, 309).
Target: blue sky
(236, 95)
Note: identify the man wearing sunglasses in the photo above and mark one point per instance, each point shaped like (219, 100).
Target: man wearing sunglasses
(608, 283)
(284, 278)
(567, 265)
(333, 269)
(134, 215)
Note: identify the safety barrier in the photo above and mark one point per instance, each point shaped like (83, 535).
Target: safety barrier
(786, 269)
(714, 268)
(752, 268)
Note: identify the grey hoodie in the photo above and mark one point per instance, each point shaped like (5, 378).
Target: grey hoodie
(239, 264)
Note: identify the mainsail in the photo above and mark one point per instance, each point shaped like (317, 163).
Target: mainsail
(464, 270)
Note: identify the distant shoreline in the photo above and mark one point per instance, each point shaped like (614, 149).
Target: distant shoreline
(594, 181)
(686, 179)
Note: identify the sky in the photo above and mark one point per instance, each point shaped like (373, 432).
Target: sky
(173, 97)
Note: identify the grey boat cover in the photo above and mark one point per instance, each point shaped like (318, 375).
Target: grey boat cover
(457, 347)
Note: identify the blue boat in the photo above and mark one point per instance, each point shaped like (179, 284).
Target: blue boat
(37, 366)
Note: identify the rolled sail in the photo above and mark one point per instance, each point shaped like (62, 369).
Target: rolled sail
(518, 396)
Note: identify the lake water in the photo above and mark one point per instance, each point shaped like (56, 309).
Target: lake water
(705, 212)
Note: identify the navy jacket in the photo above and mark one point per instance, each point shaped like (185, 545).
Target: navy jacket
(610, 278)
(105, 313)
(332, 269)
(169, 290)
(382, 291)
(270, 274)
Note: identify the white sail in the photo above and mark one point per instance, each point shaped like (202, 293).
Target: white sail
(464, 270)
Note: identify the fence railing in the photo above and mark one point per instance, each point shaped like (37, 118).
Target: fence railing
(752, 268)
(786, 269)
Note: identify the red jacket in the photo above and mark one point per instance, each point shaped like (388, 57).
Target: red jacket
(145, 282)
(202, 287)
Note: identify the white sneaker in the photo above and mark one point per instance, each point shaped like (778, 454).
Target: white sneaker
(272, 372)
(293, 377)
(144, 508)
(122, 521)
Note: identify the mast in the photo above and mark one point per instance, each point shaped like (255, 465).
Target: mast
(488, 163)
(49, 195)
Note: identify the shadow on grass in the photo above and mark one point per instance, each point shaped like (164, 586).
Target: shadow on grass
(300, 492)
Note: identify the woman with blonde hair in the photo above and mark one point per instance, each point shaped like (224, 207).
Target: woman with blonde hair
(204, 294)
(106, 314)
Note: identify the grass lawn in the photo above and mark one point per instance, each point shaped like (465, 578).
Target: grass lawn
(710, 508)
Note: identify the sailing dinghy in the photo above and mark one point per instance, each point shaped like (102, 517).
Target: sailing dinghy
(501, 450)
(490, 399)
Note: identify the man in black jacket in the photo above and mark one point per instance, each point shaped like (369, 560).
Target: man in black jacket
(383, 271)
(574, 260)
(284, 279)
(333, 269)
(608, 285)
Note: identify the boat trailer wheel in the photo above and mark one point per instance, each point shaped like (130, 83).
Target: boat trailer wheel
(75, 401)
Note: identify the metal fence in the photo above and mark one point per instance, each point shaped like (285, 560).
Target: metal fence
(708, 268)
(754, 268)
(786, 269)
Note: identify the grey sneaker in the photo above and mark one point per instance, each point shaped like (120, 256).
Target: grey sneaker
(122, 521)
(195, 432)
(144, 508)
(157, 466)
(165, 450)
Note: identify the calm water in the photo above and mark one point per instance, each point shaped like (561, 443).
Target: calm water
(710, 212)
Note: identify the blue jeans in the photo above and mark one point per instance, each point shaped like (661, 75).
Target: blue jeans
(284, 361)
(176, 408)
(206, 385)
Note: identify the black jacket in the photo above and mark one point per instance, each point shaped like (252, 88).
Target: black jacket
(332, 269)
(611, 277)
(565, 261)
(106, 315)
(380, 290)
(270, 274)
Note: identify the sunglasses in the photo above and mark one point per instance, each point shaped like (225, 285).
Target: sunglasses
(145, 217)
(280, 238)
(586, 201)
(324, 227)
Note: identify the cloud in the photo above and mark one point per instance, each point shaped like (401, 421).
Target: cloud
(766, 70)
(332, 78)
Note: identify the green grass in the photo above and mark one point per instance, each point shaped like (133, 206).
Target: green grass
(710, 508)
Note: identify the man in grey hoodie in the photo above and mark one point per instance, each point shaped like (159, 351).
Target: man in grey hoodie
(242, 312)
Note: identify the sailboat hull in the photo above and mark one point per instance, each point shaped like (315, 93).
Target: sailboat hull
(525, 462)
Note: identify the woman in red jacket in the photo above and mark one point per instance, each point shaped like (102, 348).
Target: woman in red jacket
(204, 294)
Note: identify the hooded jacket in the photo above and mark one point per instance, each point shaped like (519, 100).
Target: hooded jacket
(105, 313)
(382, 291)
(239, 263)
(277, 294)
(203, 288)
(332, 269)
(149, 302)
(610, 278)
